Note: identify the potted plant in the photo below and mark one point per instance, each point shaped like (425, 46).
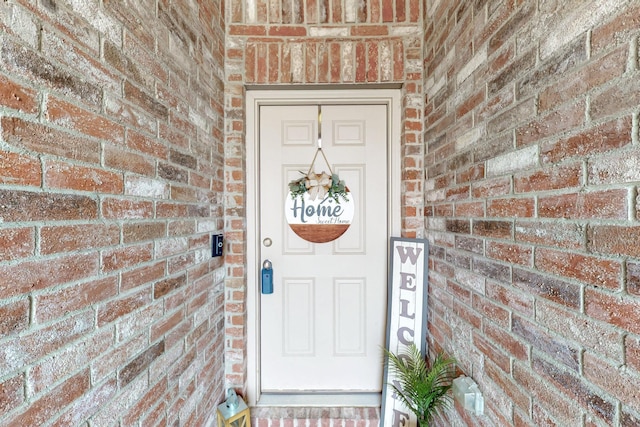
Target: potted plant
(423, 389)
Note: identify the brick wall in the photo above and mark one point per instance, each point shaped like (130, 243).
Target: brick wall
(315, 43)
(113, 175)
(111, 169)
(532, 164)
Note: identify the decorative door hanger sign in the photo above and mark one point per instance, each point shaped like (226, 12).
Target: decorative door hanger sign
(320, 207)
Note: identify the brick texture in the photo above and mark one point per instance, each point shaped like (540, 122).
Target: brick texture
(111, 151)
(338, 42)
(122, 149)
(540, 99)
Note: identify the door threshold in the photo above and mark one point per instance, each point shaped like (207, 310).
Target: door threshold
(324, 400)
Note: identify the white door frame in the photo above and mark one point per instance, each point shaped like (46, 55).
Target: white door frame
(254, 99)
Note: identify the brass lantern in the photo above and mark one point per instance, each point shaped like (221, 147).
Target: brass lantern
(233, 412)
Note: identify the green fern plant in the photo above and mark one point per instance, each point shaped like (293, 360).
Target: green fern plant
(423, 389)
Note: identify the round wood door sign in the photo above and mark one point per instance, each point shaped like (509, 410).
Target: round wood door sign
(319, 216)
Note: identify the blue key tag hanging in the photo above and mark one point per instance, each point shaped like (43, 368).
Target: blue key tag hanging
(267, 277)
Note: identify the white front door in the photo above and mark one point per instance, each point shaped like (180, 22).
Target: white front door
(323, 327)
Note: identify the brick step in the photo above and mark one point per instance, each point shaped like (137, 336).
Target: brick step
(315, 417)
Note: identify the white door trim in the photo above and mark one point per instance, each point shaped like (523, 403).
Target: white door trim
(254, 99)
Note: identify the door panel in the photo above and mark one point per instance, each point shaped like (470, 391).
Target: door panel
(353, 240)
(298, 320)
(350, 317)
(323, 327)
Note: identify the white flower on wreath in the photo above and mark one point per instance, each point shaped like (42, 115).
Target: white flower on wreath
(318, 184)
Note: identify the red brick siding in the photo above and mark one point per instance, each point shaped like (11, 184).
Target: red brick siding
(531, 127)
(113, 169)
(111, 159)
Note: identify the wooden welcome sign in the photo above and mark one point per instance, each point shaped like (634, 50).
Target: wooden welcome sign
(406, 317)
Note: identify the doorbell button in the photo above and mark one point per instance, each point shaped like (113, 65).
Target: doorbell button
(217, 245)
